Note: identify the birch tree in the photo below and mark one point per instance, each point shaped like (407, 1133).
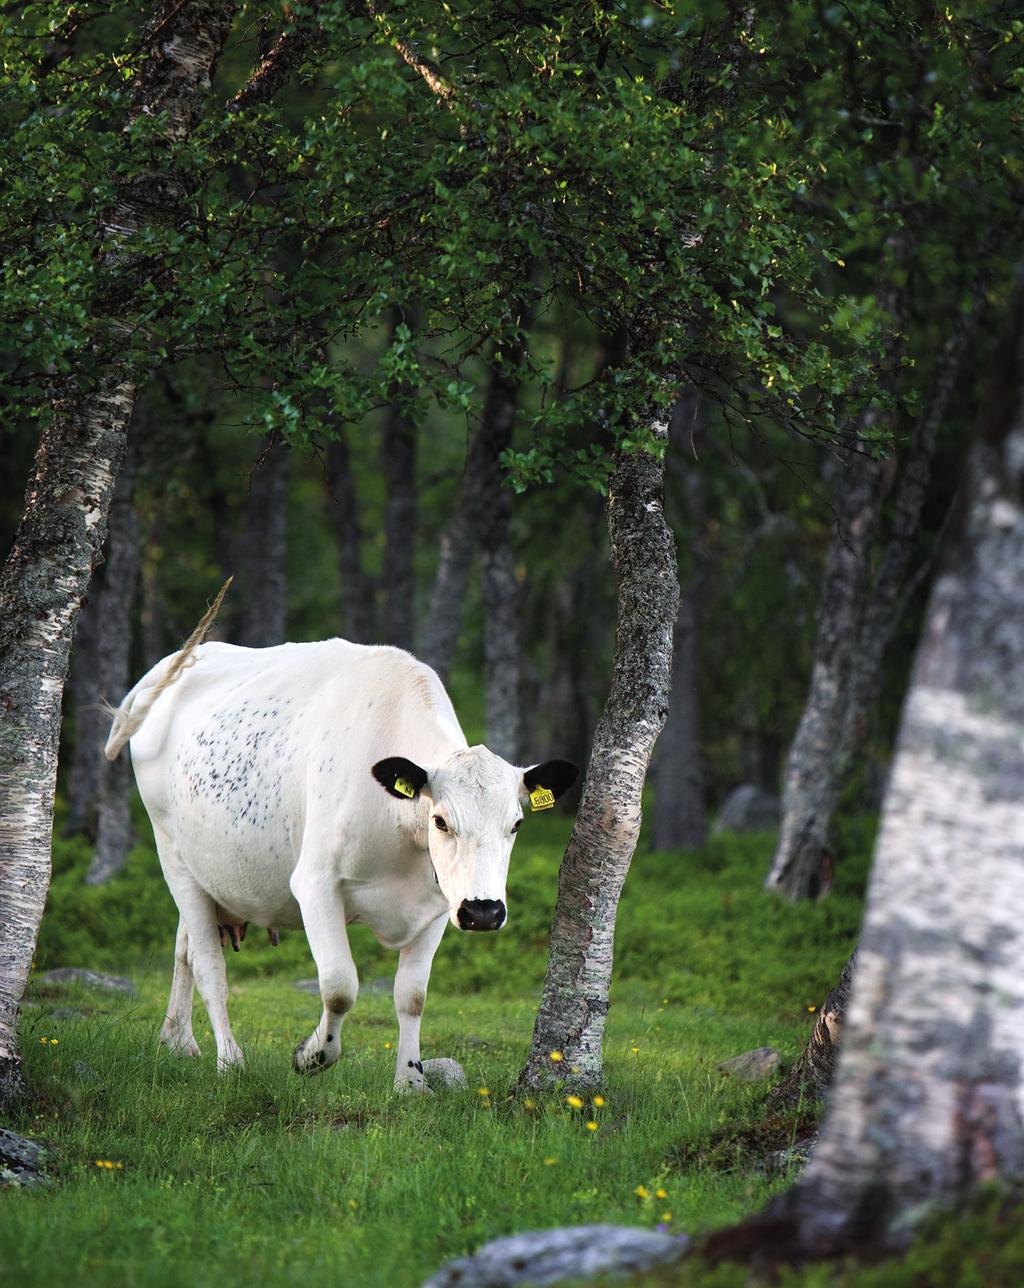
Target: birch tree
(569, 1028)
(80, 451)
(927, 1104)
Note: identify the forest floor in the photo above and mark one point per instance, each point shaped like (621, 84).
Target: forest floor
(264, 1176)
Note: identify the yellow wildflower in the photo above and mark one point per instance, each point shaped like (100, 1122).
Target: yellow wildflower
(599, 1101)
(550, 1162)
(54, 1041)
(642, 1192)
(575, 1101)
(353, 1204)
(387, 1046)
(666, 1216)
(556, 1056)
(591, 1126)
(812, 1009)
(635, 1050)
(661, 1193)
(530, 1103)
(482, 1091)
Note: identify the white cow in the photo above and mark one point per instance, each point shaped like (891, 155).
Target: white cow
(312, 785)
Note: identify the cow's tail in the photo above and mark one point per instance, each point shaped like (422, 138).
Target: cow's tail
(138, 703)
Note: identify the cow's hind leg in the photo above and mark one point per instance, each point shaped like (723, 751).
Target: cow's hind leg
(323, 917)
(177, 1028)
(202, 946)
(414, 962)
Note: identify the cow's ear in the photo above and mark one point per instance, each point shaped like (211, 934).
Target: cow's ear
(545, 783)
(402, 778)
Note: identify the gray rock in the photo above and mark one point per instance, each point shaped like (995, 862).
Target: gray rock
(21, 1161)
(444, 1073)
(542, 1257)
(747, 808)
(86, 978)
(795, 1155)
(307, 986)
(752, 1066)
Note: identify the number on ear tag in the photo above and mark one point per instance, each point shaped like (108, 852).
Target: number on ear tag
(404, 787)
(541, 798)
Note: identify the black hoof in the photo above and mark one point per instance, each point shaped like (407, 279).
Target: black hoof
(313, 1064)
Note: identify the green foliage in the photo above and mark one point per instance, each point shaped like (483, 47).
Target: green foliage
(669, 177)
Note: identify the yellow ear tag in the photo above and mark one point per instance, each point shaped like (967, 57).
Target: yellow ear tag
(541, 798)
(404, 787)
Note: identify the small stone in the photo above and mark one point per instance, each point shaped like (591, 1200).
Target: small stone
(21, 1161)
(795, 1155)
(540, 1257)
(752, 1066)
(444, 1073)
(747, 808)
(65, 975)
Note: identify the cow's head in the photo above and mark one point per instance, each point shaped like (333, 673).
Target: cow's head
(476, 803)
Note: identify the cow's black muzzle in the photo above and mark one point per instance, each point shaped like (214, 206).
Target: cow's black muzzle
(481, 914)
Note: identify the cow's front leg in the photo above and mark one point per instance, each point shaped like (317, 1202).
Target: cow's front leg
(323, 916)
(411, 978)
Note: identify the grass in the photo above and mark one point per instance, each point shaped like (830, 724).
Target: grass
(262, 1174)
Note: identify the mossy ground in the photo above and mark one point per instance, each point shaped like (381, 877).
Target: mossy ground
(261, 1175)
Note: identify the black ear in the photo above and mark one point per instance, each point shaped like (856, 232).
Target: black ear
(556, 775)
(402, 778)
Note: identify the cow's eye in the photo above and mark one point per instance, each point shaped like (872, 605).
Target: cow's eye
(515, 825)
(440, 824)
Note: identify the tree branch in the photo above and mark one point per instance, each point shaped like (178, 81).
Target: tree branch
(280, 61)
(425, 67)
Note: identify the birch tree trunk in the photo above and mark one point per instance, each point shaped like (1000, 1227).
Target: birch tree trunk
(811, 1076)
(115, 616)
(399, 581)
(356, 591)
(929, 1098)
(62, 530)
(82, 784)
(478, 494)
(811, 790)
(266, 549)
(574, 1003)
(679, 818)
(398, 458)
(859, 613)
(100, 657)
(501, 591)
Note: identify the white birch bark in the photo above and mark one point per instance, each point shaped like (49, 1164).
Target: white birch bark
(62, 531)
(571, 1017)
(929, 1098)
